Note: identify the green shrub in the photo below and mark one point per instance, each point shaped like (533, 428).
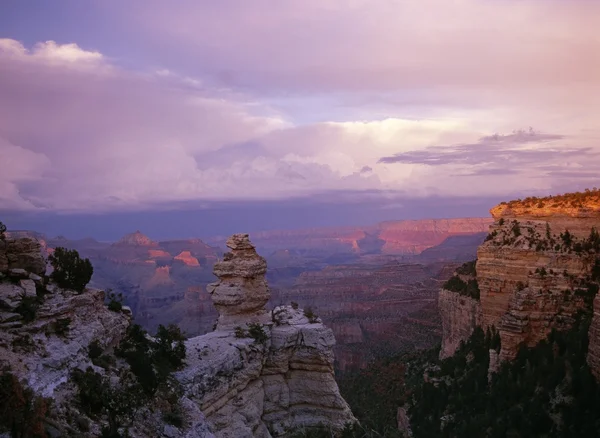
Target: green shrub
(115, 302)
(516, 229)
(468, 289)
(294, 305)
(257, 332)
(152, 360)
(174, 418)
(467, 268)
(28, 308)
(240, 332)
(70, 271)
(61, 327)
(94, 350)
(97, 396)
(311, 315)
(2, 231)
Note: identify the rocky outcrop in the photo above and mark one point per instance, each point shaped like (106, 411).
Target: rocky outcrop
(241, 293)
(537, 269)
(268, 376)
(460, 315)
(261, 374)
(22, 253)
(534, 270)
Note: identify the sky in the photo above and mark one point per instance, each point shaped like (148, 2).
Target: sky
(202, 117)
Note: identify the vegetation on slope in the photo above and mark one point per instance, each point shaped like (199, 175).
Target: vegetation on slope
(547, 391)
(70, 270)
(469, 288)
(575, 199)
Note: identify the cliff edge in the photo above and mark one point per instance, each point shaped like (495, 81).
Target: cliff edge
(537, 269)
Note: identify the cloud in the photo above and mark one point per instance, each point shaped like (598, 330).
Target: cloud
(79, 132)
(470, 49)
(492, 149)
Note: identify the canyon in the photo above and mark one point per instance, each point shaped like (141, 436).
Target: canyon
(368, 284)
(262, 373)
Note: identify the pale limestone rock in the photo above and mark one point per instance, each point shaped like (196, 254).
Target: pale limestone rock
(10, 295)
(51, 359)
(18, 273)
(262, 390)
(242, 291)
(25, 253)
(28, 287)
(460, 315)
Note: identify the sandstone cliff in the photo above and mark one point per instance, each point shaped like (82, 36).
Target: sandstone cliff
(536, 270)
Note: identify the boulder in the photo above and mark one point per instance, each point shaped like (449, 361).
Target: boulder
(25, 253)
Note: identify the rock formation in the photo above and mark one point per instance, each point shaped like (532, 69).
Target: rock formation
(261, 374)
(392, 237)
(22, 253)
(241, 293)
(536, 270)
(460, 315)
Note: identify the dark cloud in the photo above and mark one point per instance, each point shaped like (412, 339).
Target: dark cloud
(498, 149)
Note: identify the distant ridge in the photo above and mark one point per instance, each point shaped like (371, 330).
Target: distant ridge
(136, 239)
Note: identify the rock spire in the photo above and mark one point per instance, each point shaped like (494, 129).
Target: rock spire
(242, 291)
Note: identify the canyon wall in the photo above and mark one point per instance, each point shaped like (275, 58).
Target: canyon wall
(537, 269)
(373, 309)
(393, 237)
(460, 315)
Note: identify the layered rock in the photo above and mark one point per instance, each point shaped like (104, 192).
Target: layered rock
(460, 315)
(392, 237)
(22, 253)
(242, 291)
(534, 269)
(371, 307)
(44, 330)
(261, 374)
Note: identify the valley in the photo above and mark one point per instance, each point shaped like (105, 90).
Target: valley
(376, 286)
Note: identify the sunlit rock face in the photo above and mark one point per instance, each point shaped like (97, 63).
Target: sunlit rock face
(534, 269)
(261, 374)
